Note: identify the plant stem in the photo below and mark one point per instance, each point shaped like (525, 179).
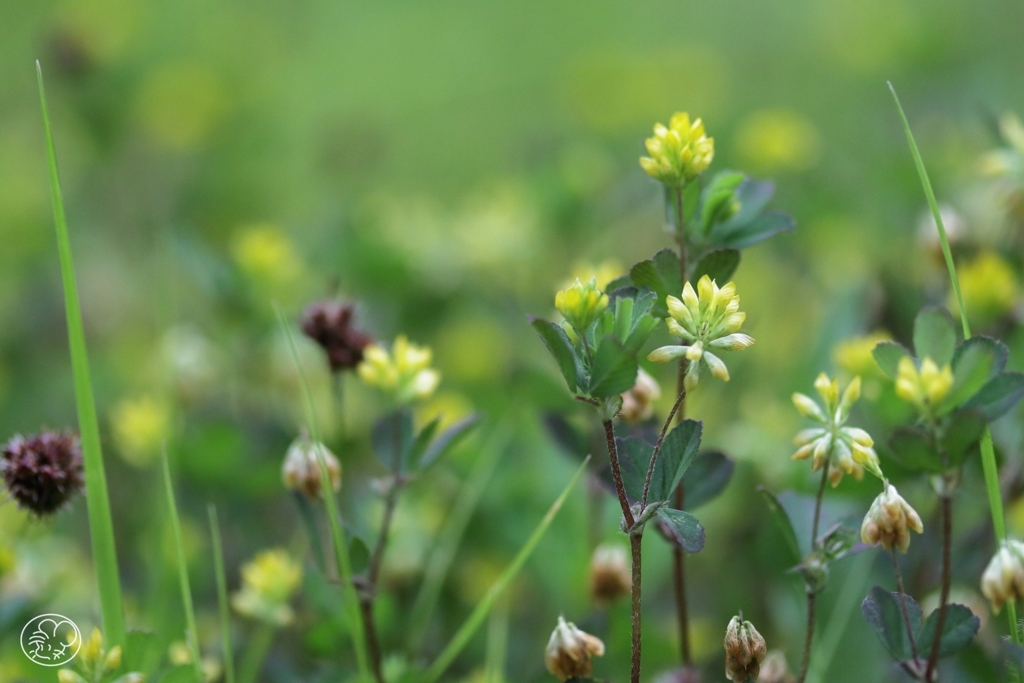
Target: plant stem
(620, 490)
(101, 526)
(940, 622)
(635, 544)
(259, 645)
(657, 448)
(812, 592)
(368, 592)
(222, 596)
(903, 605)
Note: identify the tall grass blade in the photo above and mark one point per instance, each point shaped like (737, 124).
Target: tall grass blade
(988, 455)
(476, 618)
(192, 637)
(443, 555)
(222, 596)
(101, 527)
(333, 515)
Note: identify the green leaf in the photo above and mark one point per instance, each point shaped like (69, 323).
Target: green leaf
(961, 435)
(757, 230)
(718, 198)
(101, 525)
(420, 444)
(558, 343)
(661, 275)
(677, 453)
(883, 612)
(359, 554)
(975, 361)
(707, 476)
(888, 355)
(914, 449)
(683, 529)
(613, 371)
(934, 335)
(223, 604)
(447, 441)
(998, 395)
(619, 283)
(634, 459)
(958, 631)
(782, 521)
(719, 265)
(392, 438)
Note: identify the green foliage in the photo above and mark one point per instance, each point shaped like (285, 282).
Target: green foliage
(883, 612)
(934, 335)
(888, 355)
(661, 275)
(682, 528)
(706, 478)
(782, 523)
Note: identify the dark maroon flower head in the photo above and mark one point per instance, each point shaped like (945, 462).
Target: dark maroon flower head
(42, 472)
(329, 324)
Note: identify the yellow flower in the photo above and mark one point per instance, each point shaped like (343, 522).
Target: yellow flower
(603, 273)
(708, 318)
(848, 450)
(890, 520)
(266, 255)
(268, 583)
(924, 388)
(678, 153)
(855, 355)
(405, 373)
(140, 427)
(581, 304)
(988, 285)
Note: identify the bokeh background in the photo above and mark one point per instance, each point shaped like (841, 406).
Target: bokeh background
(448, 166)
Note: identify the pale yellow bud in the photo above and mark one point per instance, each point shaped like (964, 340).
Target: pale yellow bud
(570, 651)
(926, 387)
(405, 373)
(610, 576)
(890, 520)
(1003, 578)
(581, 304)
(745, 649)
(69, 676)
(775, 669)
(638, 402)
(807, 407)
(301, 468)
(113, 659)
(678, 152)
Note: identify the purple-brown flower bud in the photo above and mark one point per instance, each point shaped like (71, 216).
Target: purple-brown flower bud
(745, 649)
(609, 573)
(329, 324)
(43, 472)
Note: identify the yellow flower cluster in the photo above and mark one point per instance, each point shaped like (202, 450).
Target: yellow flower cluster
(848, 450)
(678, 153)
(707, 318)
(926, 387)
(268, 583)
(405, 373)
(581, 304)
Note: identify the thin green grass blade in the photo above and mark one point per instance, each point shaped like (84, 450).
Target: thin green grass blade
(497, 644)
(192, 637)
(222, 596)
(988, 454)
(333, 515)
(443, 555)
(476, 618)
(101, 527)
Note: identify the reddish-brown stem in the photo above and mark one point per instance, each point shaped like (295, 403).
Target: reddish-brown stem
(812, 591)
(635, 544)
(903, 606)
(940, 622)
(679, 578)
(620, 490)
(657, 448)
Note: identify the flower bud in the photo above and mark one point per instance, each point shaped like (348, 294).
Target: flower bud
(581, 304)
(42, 472)
(405, 373)
(301, 468)
(268, 583)
(925, 387)
(329, 324)
(638, 402)
(1003, 578)
(745, 649)
(775, 669)
(609, 573)
(69, 676)
(679, 152)
(889, 521)
(113, 659)
(569, 651)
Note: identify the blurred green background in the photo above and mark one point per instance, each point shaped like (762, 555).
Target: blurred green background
(449, 165)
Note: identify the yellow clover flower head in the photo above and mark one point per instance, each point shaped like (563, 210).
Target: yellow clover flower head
(856, 355)
(706, 318)
(581, 304)
(268, 583)
(846, 450)
(926, 387)
(678, 153)
(890, 520)
(405, 372)
(988, 286)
